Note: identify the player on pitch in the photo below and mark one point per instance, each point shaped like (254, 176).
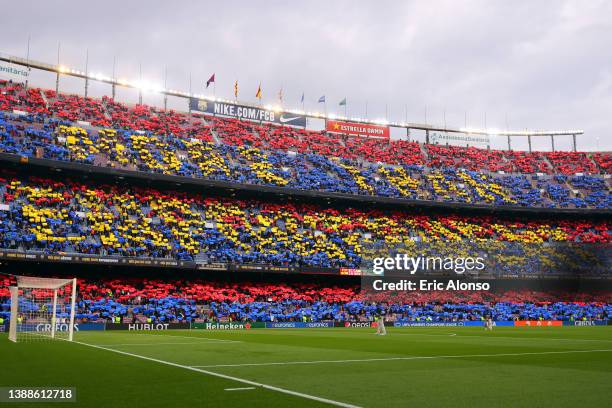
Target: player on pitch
(380, 323)
(489, 323)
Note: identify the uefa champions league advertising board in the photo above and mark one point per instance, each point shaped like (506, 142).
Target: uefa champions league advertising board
(244, 112)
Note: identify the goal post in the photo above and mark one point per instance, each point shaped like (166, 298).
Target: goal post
(42, 309)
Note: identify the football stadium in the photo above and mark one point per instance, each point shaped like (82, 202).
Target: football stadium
(228, 242)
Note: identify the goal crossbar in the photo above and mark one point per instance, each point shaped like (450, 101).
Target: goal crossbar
(41, 283)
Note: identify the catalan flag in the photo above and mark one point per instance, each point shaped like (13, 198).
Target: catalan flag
(258, 94)
(236, 89)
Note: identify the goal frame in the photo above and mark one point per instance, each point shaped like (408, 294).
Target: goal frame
(27, 282)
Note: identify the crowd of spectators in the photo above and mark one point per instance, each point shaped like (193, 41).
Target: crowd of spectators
(246, 164)
(63, 216)
(154, 300)
(149, 139)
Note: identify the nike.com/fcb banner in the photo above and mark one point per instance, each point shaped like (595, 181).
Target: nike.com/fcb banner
(357, 129)
(246, 112)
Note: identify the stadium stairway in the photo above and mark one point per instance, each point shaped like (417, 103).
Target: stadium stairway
(548, 163)
(44, 98)
(424, 152)
(105, 111)
(215, 136)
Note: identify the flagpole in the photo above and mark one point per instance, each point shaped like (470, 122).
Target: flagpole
(190, 96)
(166, 89)
(259, 97)
(113, 88)
(28, 63)
(140, 84)
(280, 96)
(86, 71)
(57, 77)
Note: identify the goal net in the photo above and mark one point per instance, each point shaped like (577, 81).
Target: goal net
(42, 309)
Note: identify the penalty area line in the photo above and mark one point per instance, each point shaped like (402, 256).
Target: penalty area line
(239, 389)
(367, 360)
(226, 377)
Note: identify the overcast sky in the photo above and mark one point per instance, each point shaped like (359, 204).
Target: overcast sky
(522, 64)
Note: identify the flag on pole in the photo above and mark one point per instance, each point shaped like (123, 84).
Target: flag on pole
(302, 100)
(322, 99)
(210, 80)
(280, 95)
(258, 94)
(342, 102)
(236, 89)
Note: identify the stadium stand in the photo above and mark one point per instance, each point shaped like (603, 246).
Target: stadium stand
(70, 217)
(154, 300)
(52, 216)
(107, 133)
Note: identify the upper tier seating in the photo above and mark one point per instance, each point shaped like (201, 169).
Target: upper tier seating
(149, 139)
(193, 155)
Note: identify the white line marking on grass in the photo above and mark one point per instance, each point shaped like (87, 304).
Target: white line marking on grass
(393, 332)
(494, 336)
(239, 389)
(424, 334)
(160, 344)
(186, 337)
(227, 377)
(491, 336)
(366, 360)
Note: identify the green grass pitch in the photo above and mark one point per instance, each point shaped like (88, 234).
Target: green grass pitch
(411, 367)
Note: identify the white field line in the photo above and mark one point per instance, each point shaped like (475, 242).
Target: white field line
(393, 332)
(239, 389)
(227, 377)
(493, 336)
(181, 337)
(425, 334)
(366, 360)
(162, 344)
